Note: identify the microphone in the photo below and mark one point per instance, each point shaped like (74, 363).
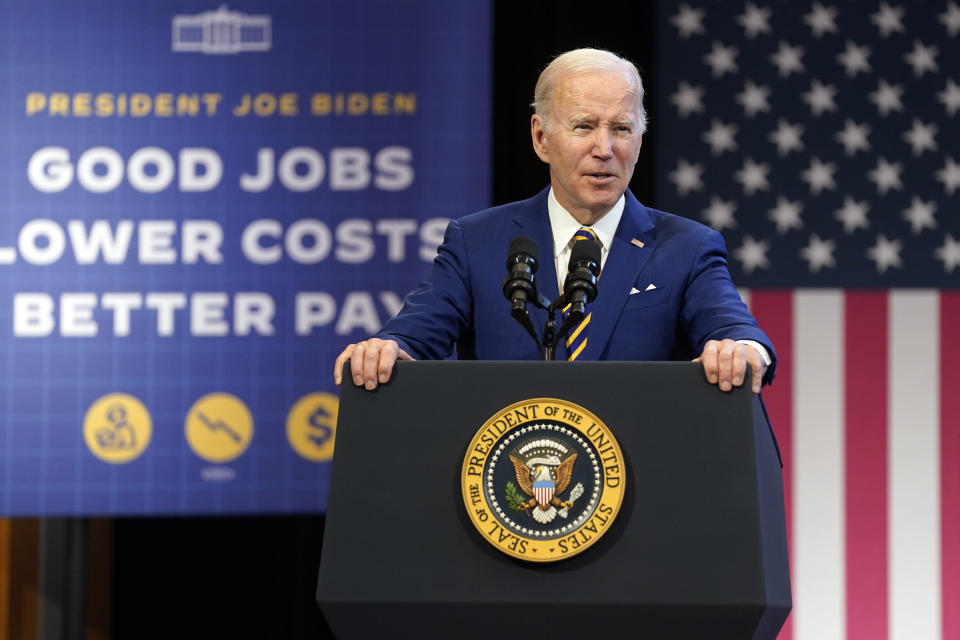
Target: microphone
(522, 264)
(580, 285)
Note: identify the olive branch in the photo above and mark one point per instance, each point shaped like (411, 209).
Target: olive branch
(513, 497)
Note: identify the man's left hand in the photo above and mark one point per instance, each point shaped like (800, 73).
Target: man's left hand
(725, 363)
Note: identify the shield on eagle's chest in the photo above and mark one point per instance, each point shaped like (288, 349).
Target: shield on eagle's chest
(543, 492)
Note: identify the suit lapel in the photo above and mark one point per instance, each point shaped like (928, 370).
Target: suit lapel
(534, 221)
(620, 272)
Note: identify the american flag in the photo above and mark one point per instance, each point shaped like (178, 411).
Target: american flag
(821, 140)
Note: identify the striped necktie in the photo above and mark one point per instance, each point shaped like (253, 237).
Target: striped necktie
(577, 339)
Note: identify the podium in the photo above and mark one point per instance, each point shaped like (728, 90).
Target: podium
(698, 549)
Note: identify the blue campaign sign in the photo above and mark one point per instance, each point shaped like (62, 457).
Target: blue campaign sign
(203, 204)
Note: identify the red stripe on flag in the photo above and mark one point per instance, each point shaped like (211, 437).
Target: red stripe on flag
(865, 413)
(950, 461)
(773, 310)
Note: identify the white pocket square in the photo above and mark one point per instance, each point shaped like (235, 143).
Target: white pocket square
(650, 287)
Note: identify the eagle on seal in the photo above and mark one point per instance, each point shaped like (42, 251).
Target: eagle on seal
(543, 485)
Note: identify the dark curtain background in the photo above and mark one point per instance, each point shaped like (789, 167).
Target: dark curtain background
(255, 577)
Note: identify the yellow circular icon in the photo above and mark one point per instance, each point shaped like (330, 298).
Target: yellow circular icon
(219, 427)
(117, 428)
(312, 426)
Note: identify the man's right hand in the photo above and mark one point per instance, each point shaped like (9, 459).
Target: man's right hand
(371, 362)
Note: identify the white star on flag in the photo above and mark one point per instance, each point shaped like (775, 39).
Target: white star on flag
(886, 253)
(949, 253)
(787, 137)
(821, 20)
(855, 59)
(820, 97)
(755, 20)
(819, 253)
(921, 137)
(753, 98)
(721, 59)
(888, 19)
(920, 215)
(950, 97)
(688, 99)
(886, 175)
(854, 137)
(787, 59)
(887, 97)
(719, 215)
(753, 176)
(720, 137)
(687, 177)
(951, 19)
(688, 21)
(922, 58)
(786, 215)
(752, 254)
(949, 175)
(819, 175)
(853, 215)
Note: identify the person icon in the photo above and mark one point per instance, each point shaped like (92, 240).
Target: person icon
(119, 435)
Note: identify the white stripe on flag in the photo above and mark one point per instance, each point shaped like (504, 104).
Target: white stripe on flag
(914, 552)
(745, 296)
(818, 457)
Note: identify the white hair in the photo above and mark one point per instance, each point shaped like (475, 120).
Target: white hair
(579, 62)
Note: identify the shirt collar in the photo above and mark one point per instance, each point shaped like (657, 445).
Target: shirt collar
(565, 225)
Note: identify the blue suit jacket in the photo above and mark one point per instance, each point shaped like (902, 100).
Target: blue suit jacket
(461, 301)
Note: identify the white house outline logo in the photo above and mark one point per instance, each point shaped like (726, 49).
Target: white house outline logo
(221, 32)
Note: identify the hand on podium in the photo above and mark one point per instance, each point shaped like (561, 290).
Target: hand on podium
(725, 363)
(371, 362)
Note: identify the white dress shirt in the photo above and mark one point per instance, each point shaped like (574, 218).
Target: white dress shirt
(565, 226)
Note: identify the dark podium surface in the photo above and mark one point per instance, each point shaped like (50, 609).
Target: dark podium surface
(697, 551)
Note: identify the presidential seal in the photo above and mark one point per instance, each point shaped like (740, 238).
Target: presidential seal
(543, 479)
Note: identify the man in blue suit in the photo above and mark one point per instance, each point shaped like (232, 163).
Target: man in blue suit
(664, 289)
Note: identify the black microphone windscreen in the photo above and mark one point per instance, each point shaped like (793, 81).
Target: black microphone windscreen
(585, 250)
(522, 245)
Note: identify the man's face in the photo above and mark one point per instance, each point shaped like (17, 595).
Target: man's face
(593, 142)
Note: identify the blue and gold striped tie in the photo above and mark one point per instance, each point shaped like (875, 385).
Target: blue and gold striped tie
(577, 339)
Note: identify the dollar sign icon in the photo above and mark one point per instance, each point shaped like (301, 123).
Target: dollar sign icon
(312, 426)
(322, 432)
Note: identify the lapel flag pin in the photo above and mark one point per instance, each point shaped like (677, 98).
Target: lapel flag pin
(636, 243)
